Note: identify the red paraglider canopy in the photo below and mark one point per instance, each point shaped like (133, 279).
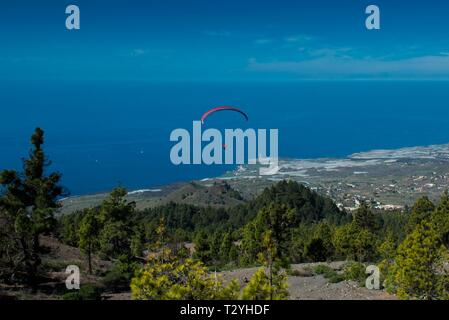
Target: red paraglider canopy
(223, 108)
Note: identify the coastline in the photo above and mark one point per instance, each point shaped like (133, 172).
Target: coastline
(390, 179)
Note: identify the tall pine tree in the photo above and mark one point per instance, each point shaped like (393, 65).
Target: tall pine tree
(417, 269)
(29, 201)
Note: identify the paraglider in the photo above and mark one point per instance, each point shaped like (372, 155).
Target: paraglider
(223, 108)
(237, 146)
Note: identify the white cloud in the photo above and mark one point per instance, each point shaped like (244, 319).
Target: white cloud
(218, 33)
(263, 41)
(332, 66)
(138, 52)
(299, 38)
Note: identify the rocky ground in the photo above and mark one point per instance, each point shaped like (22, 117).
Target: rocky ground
(306, 286)
(318, 288)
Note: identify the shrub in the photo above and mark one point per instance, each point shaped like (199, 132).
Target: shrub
(165, 277)
(261, 288)
(119, 277)
(355, 271)
(329, 273)
(86, 292)
(300, 273)
(75, 295)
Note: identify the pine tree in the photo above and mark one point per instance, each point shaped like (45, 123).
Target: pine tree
(319, 247)
(115, 216)
(416, 269)
(202, 247)
(325, 232)
(225, 247)
(269, 282)
(115, 239)
(234, 254)
(215, 245)
(315, 250)
(88, 235)
(29, 201)
(421, 211)
(276, 218)
(166, 277)
(387, 252)
(354, 243)
(441, 218)
(138, 242)
(173, 279)
(115, 207)
(387, 249)
(364, 218)
(161, 233)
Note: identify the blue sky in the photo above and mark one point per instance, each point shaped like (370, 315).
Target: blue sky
(224, 40)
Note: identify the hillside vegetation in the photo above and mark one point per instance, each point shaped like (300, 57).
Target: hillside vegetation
(167, 251)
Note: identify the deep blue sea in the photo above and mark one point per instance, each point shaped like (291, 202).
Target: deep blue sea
(100, 135)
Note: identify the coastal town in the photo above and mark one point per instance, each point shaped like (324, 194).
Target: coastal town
(386, 179)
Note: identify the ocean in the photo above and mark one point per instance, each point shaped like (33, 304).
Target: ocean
(100, 135)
